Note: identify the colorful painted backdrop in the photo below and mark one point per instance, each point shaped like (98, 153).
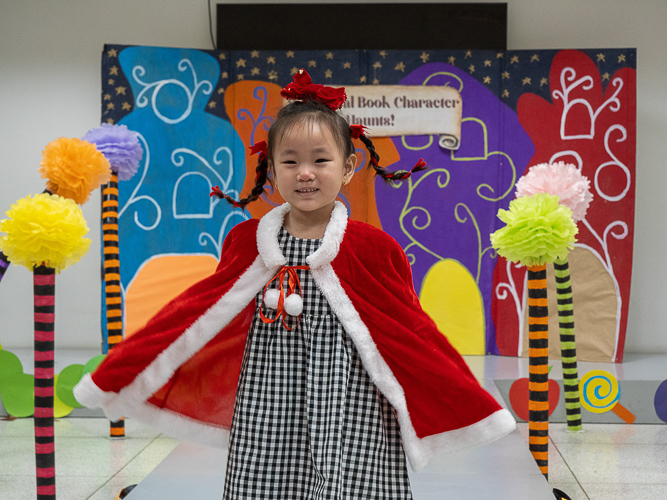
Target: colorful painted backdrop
(198, 111)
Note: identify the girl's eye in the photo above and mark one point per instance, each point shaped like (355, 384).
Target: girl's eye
(289, 162)
(322, 160)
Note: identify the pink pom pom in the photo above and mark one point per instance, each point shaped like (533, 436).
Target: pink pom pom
(561, 179)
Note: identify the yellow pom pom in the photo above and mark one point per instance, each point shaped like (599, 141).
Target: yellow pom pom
(44, 229)
(74, 168)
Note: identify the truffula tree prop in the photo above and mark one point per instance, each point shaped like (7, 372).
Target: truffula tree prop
(573, 190)
(73, 169)
(45, 233)
(120, 146)
(538, 231)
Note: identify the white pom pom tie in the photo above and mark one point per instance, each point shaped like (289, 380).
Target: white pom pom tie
(274, 298)
(271, 297)
(294, 304)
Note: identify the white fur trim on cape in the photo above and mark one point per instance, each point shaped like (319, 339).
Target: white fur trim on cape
(418, 451)
(270, 224)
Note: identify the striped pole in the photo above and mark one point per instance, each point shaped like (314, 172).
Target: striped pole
(114, 305)
(568, 346)
(4, 264)
(44, 280)
(538, 371)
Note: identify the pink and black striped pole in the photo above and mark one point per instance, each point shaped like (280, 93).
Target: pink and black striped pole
(45, 454)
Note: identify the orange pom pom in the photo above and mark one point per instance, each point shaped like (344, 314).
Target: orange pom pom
(74, 168)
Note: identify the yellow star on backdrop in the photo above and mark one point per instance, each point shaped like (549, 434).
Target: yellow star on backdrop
(294, 70)
(111, 81)
(329, 55)
(222, 56)
(312, 64)
(601, 57)
(506, 75)
(239, 77)
(605, 77)
(621, 58)
(424, 57)
(254, 53)
(471, 68)
(376, 82)
(362, 79)
(377, 65)
(107, 97)
(240, 63)
(126, 105)
(225, 74)
(527, 81)
(221, 91)
(211, 104)
(468, 54)
(120, 90)
(111, 106)
(506, 93)
(535, 58)
(254, 71)
(400, 67)
(451, 59)
(499, 55)
(112, 53)
(113, 70)
(487, 63)
(487, 79)
(383, 54)
(544, 81)
(110, 121)
(328, 74)
(289, 54)
(347, 65)
(515, 59)
(273, 75)
(271, 60)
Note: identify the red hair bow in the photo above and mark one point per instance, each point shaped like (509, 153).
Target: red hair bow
(303, 89)
(357, 131)
(258, 147)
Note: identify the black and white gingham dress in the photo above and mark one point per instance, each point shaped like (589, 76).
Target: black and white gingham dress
(308, 422)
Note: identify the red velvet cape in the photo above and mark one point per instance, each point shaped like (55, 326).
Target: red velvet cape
(180, 371)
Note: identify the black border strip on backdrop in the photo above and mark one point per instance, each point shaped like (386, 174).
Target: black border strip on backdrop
(380, 26)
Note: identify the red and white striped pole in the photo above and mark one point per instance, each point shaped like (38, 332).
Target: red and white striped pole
(44, 279)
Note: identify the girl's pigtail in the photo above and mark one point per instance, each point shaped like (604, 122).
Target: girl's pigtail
(261, 176)
(359, 132)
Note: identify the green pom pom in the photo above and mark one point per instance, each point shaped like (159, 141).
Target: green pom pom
(538, 230)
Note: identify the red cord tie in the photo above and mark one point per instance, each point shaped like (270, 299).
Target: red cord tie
(285, 306)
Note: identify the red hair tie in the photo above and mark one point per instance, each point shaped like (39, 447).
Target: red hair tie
(216, 191)
(258, 147)
(357, 131)
(401, 175)
(303, 89)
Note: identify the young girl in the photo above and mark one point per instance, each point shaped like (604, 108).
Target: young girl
(306, 352)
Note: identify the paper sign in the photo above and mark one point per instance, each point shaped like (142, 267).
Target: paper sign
(395, 110)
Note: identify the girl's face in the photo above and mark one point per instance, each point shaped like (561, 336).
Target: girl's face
(309, 170)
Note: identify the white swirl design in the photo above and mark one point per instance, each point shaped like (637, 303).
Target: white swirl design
(134, 198)
(142, 100)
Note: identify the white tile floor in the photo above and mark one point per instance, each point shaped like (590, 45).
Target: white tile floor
(604, 462)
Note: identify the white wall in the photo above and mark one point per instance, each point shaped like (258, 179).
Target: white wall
(50, 87)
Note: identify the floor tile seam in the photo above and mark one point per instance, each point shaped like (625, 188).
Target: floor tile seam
(568, 467)
(134, 457)
(120, 470)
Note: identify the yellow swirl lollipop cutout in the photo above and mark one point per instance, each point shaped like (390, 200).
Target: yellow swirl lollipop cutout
(599, 392)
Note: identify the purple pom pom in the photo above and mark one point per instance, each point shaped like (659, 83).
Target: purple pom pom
(120, 146)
